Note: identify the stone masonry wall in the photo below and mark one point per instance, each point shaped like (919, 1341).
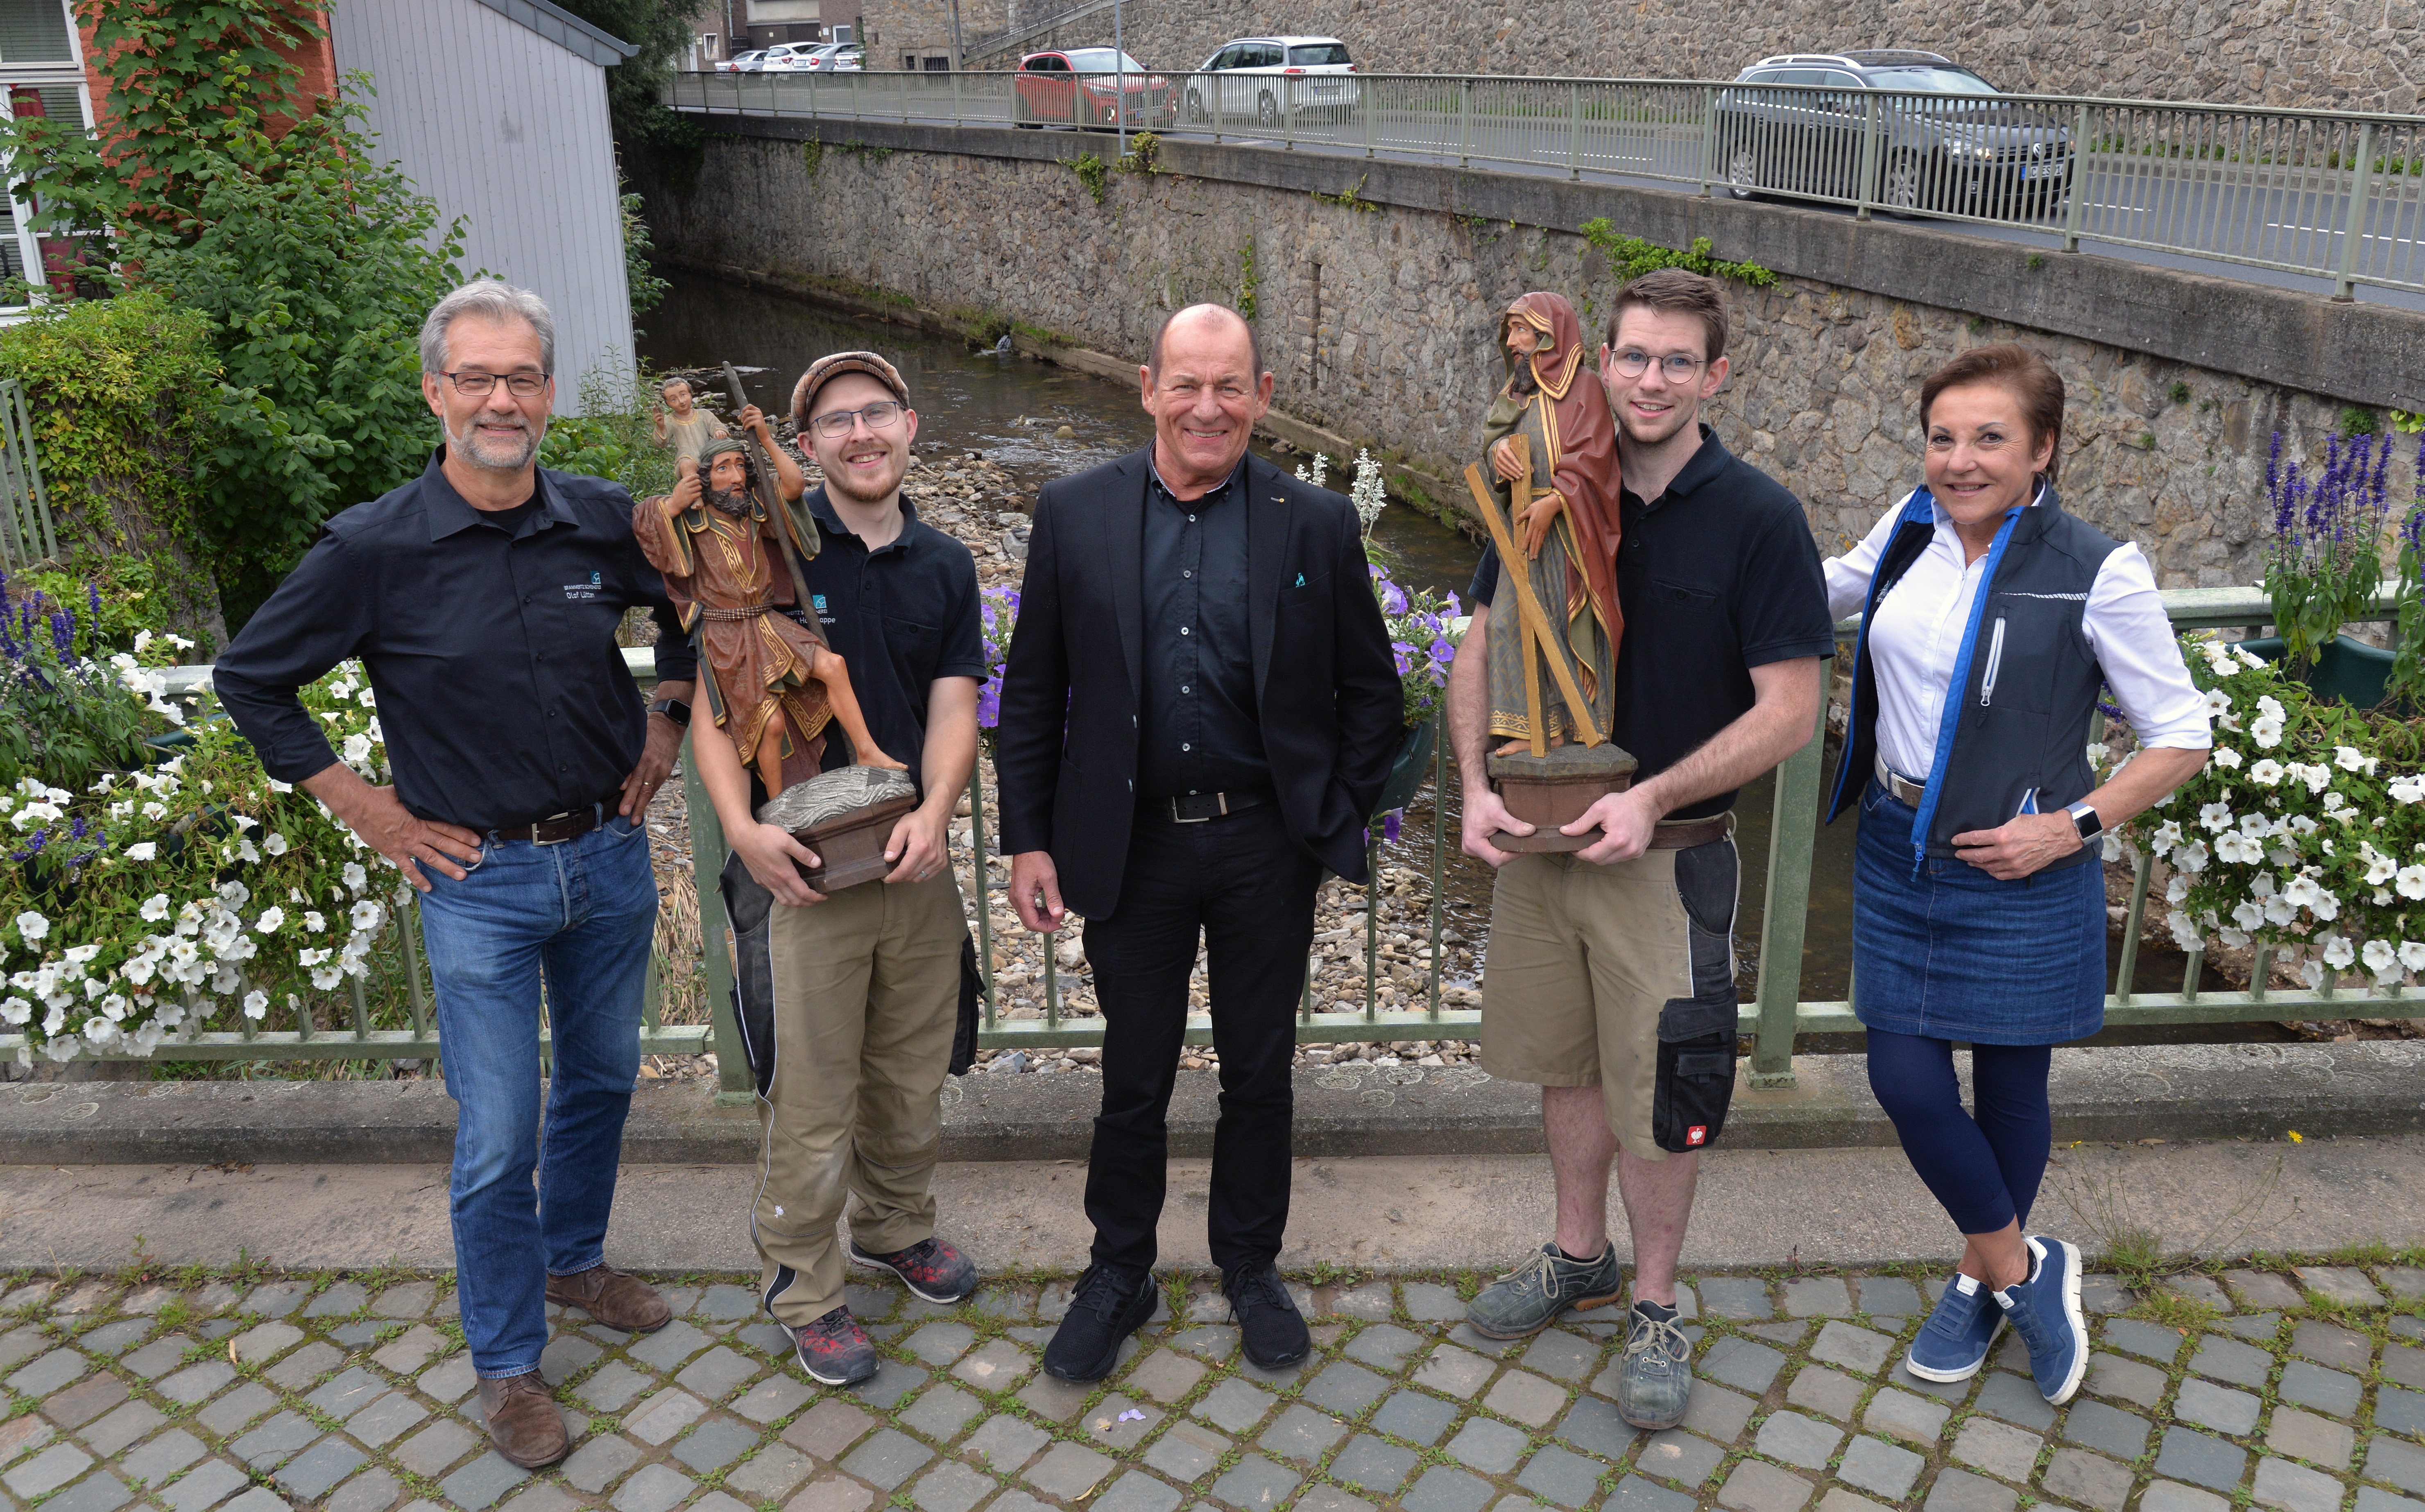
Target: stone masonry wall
(1380, 327)
(2351, 54)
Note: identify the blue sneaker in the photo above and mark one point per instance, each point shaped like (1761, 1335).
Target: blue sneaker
(1955, 1341)
(2045, 1312)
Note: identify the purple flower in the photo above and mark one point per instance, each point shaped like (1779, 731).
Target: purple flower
(63, 633)
(1390, 823)
(1454, 609)
(1443, 653)
(1405, 663)
(1392, 600)
(989, 702)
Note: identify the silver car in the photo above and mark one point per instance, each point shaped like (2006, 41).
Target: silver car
(1263, 79)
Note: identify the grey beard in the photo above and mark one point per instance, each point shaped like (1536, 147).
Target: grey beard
(734, 502)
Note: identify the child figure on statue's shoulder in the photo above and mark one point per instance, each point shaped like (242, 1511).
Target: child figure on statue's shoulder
(681, 424)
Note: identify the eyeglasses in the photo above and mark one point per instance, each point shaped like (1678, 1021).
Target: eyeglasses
(836, 425)
(1633, 361)
(480, 385)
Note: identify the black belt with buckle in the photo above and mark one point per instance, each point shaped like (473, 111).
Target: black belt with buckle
(558, 827)
(1195, 808)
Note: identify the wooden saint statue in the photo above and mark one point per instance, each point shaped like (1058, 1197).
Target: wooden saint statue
(682, 424)
(1550, 425)
(771, 682)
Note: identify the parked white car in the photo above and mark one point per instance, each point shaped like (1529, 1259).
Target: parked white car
(836, 57)
(1242, 81)
(742, 62)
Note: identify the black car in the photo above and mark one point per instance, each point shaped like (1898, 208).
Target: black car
(1935, 135)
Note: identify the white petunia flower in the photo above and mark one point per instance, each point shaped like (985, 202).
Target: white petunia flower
(2338, 953)
(2410, 882)
(2190, 857)
(2215, 816)
(271, 919)
(2168, 834)
(314, 922)
(234, 895)
(2184, 929)
(367, 916)
(2234, 938)
(2312, 973)
(256, 1003)
(2217, 700)
(2412, 955)
(2379, 867)
(16, 1011)
(2247, 915)
(273, 844)
(2348, 758)
(2381, 959)
(2267, 771)
(32, 926)
(2227, 757)
(358, 749)
(2178, 890)
(2302, 891)
(354, 877)
(2266, 732)
(2407, 789)
(142, 850)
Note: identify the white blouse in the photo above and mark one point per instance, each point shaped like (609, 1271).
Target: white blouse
(1917, 635)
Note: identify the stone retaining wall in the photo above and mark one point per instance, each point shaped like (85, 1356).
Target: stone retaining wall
(2349, 55)
(1379, 325)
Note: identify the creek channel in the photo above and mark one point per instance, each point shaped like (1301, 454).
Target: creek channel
(1011, 409)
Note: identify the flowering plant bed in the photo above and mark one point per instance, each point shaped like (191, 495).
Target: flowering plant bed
(2304, 833)
(156, 897)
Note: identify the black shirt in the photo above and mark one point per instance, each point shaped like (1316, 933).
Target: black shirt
(502, 695)
(1715, 576)
(899, 617)
(1197, 727)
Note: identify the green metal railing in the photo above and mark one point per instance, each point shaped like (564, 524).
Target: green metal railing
(25, 535)
(2333, 195)
(1775, 1017)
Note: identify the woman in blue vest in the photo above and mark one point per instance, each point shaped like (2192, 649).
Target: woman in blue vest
(1990, 619)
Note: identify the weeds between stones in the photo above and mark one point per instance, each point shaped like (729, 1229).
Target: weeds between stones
(2136, 1252)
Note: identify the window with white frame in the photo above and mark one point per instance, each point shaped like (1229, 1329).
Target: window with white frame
(41, 66)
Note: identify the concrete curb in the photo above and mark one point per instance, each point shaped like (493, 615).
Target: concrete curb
(2116, 1093)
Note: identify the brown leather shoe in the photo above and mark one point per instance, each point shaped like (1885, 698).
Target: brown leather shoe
(524, 1420)
(613, 1298)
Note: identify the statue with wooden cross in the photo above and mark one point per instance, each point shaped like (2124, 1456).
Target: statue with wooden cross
(1552, 680)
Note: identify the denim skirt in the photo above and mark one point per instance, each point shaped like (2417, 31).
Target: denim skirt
(1950, 953)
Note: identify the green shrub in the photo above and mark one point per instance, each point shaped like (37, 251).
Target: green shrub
(123, 395)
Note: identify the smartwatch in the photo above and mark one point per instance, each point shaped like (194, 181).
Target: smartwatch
(674, 709)
(2085, 817)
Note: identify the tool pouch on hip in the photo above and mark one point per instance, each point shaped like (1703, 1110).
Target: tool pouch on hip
(1696, 1035)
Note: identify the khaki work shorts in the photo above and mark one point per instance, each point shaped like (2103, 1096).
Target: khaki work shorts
(1621, 977)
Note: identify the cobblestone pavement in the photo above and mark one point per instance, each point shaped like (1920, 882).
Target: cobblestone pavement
(2301, 1390)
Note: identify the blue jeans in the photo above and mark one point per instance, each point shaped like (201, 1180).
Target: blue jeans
(577, 920)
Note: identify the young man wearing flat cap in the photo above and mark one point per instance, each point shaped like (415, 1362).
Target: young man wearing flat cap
(864, 984)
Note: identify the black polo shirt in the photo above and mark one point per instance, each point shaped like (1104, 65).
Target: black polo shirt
(1196, 729)
(502, 695)
(1715, 576)
(900, 615)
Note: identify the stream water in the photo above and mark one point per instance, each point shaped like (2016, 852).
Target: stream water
(1011, 407)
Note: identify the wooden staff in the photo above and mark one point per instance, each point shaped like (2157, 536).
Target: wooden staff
(771, 498)
(1534, 620)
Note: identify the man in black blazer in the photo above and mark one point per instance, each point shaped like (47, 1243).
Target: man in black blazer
(1198, 712)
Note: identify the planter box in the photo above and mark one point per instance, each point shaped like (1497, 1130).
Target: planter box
(2346, 669)
(1409, 773)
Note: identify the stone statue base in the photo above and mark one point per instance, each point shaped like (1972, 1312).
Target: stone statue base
(1552, 790)
(845, 816)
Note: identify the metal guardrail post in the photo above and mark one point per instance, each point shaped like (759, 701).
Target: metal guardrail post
(2076, 208)
(1708, 135)
(2127, 970)
(1372, 920)
(2355, 230)
(982, 887)
(1464, 122)
(1440, 843)
(857, 95)
(955, 97)
(1364, 114)
(733, 1087)
(1574, 130)
(1288, 113)
(1792, 834)
(1869, 169)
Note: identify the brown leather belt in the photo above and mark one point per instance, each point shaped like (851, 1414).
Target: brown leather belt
(1683, 834)
(558, 827)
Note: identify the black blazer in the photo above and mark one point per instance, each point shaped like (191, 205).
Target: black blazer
(1329, 703)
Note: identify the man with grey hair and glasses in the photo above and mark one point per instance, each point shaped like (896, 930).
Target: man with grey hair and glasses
(483, 597)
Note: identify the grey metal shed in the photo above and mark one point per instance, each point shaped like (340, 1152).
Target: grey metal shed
(497, 110)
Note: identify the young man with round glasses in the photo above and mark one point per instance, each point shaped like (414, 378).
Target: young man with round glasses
(1611, 974)
(850, 1001)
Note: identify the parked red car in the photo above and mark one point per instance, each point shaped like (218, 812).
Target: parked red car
(1077, 87)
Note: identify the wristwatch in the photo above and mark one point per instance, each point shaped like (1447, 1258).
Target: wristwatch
(674, 709)
(2085, 817)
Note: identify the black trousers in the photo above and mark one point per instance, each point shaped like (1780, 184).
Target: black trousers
(1249, 889)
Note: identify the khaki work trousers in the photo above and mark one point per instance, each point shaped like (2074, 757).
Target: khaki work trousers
(867, 992)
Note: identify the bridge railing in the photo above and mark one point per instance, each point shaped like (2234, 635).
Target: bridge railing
(385, 1014)
(2333, 195)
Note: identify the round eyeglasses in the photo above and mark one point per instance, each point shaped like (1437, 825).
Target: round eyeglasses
(1633, 361)
(835, 425)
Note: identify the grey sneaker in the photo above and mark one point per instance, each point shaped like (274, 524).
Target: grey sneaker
(1656, 1379)
(1527, 1299)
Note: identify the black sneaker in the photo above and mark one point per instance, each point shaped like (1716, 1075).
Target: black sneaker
(1269, 1324)
(835, 1350)
(1108, 1304)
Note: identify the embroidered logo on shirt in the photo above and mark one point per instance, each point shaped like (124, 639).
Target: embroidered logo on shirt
(1300, 580)
(582, 592)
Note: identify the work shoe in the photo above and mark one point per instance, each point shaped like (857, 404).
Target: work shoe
(612, 1297)
(1269, 1324)
(933, 1270)
(2045, 1312)
(1530, 1297)
(1654, 1381)
(1109, 1303)
(522, 1419)
(1955, 1341)
(834, 1349)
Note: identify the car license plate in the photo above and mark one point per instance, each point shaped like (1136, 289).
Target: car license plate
(2045, 170)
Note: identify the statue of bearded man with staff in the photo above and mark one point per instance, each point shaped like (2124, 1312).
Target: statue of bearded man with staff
(771, 680)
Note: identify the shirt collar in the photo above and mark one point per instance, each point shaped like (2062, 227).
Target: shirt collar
(450, 513)
(1219, 490)
(821, 511)
(1705, 464)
